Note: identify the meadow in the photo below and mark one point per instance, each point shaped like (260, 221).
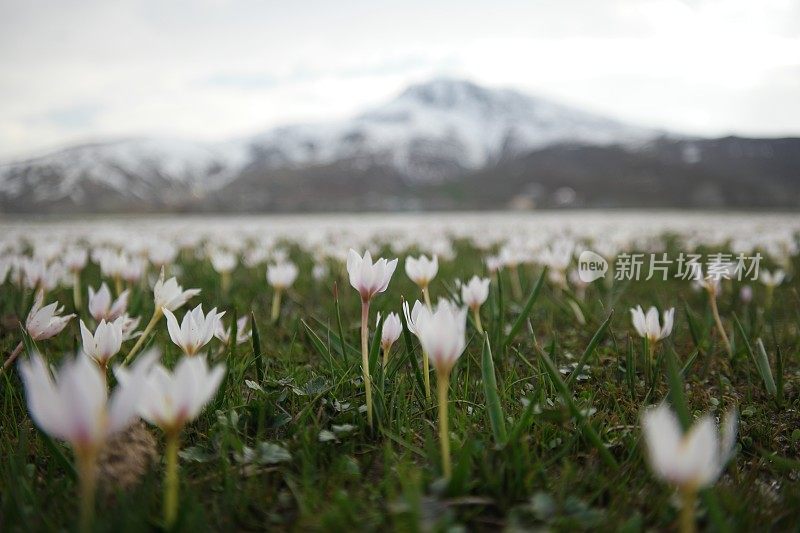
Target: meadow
(544, 407)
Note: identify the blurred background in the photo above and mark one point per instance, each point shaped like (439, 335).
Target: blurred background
(262, 107)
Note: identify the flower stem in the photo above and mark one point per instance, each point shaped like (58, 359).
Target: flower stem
(12, 357)
(442, 384)
(365, 357)
(226, 282)
(386, 351)
(171, 481)
(427, 297)
(713, 298)
(87, 479)
(426, 374)
(76, 290)
(687, 524)
(118, 285)
(516, 283)
(150, 325)
(476, 314)
(276, 304)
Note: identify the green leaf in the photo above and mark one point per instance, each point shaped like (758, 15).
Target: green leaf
(596, 338)
(517, 326)
(493, 406)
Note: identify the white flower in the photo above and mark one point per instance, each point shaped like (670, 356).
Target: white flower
(648, 327)
(242, 333)
(129, 325)
(75, 406)
(772, 279)
(195, 331)
(691, 460)
(369, 278)
(162, 253)
(169, 295)
(223, 261)
(106, 341)
(75, 259)
(320, 271)
(392, 328)
(133, 269)
(44, 322)
(172, 399)
(281, 275)
(413, 315)
(422, 270)
(101, 306)
(442, 334)
(475, 292)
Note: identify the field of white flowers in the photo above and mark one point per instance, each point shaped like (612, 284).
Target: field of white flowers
(570, 371)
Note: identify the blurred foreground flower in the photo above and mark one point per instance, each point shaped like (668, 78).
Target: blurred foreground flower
(170, 400)
(75, 407)
(368, 279)
(690, 460)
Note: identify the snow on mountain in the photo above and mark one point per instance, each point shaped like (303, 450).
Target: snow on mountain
(430, 132)
(446, 120)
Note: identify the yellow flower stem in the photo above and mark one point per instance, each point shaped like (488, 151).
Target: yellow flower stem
(768, 301)
(276, 304)
(87, 480)
(386, 351)
(713, 298)
(516, 284)
(442, 384)
(171, 480)
(76, 290)
(226, 282)
(427, 297)
(687, 523)
(365, 357)
(476, 314)
(147, 330)
(118, 285)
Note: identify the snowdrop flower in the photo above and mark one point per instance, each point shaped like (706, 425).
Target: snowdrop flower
(101, 306)
(162, 254)
(493, 264)
(473, 294)
(75, 407)
(414, 316)
(711, 284)
(104, 343)
(390, 332)
(647, 326)
(170, 295)
(75, 259)
(692, 460)
(167, 296)
(195, 331)
(224, 263)
(170, 400)
(368, 279)
(280, 276)
(44, 322)
(242, 333)
(442, 335)
(421, 271)
(133, 269)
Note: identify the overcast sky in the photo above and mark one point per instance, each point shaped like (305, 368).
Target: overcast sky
(73, 71)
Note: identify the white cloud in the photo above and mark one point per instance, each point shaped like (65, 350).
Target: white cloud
(72, 70)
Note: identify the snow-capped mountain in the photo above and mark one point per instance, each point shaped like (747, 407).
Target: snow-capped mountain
(443, 144)
(434, 129)
(430, 132)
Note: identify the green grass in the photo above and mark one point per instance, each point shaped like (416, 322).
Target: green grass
(284, 447)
